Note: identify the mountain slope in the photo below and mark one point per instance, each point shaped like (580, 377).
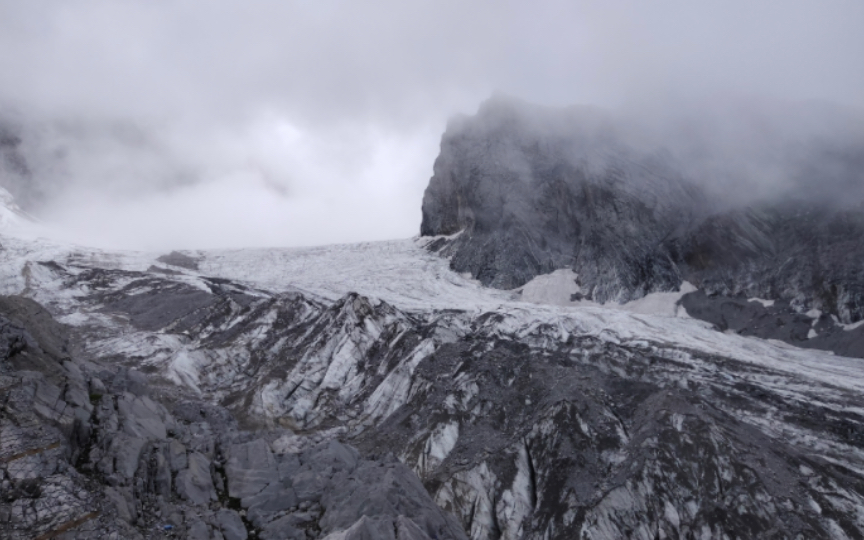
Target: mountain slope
(371, 391)
(520, 420)
(532, 190)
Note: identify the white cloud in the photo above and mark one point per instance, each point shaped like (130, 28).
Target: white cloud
(309, 111)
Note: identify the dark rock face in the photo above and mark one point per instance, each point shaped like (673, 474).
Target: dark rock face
(30, 338)
(175, 258)
(806, 254)
(777, 321)
(91, 450)
(13, 339)
(536, 190)
(531, 190)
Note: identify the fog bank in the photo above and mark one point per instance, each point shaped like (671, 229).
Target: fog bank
(177, 125)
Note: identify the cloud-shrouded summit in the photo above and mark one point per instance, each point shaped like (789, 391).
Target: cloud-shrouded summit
(635, 308)
(183, 124)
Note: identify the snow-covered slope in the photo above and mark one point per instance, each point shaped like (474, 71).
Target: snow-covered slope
(410, 278)
(13, 220)
(523, 419)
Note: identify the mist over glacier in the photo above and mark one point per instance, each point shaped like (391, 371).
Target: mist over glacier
(162, 126)
(635, 308)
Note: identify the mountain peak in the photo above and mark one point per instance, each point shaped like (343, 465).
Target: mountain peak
(535, 189)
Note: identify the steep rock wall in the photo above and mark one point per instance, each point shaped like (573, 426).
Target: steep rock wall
(530, 190)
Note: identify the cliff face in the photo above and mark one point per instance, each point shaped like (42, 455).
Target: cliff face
(807, 254)
(531, 190)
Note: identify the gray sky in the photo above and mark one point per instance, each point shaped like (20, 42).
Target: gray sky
(214, 123)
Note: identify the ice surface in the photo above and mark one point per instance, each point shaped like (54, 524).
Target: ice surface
(404, 274)
(848, 327)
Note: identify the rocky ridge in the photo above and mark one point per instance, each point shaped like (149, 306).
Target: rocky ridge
(525, 190)
(214, 406)
(92, 450)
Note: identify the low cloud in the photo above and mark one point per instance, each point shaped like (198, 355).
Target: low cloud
(186, 124)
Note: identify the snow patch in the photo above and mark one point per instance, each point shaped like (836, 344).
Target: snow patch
(671, 514)
(554, 289)
(394, 390)
(184, 370)
(765, 303)
(558, 287)
(438, 446)
(471, 494)
(290, 443)
(664, 304)
(848, 327)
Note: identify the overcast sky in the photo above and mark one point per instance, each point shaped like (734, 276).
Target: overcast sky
(214, 123)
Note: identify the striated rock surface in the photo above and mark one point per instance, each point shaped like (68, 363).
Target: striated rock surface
(95, 450)
(531, 190)
(288, 415)
(522, 191)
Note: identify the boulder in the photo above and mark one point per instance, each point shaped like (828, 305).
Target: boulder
(195, 483)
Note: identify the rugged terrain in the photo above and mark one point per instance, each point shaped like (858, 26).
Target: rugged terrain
(151, 398)
(528, 190)
(384, 390)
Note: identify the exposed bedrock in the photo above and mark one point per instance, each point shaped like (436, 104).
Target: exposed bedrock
(502, 424)
(94, 451)
(607, 442)
(533, 190)
(530, 190)
(776, 320)
(807, 255)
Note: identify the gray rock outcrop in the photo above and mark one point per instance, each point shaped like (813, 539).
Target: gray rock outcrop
(83, 456)
(528, 190)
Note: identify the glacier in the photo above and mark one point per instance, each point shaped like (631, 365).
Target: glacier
(511, 415)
